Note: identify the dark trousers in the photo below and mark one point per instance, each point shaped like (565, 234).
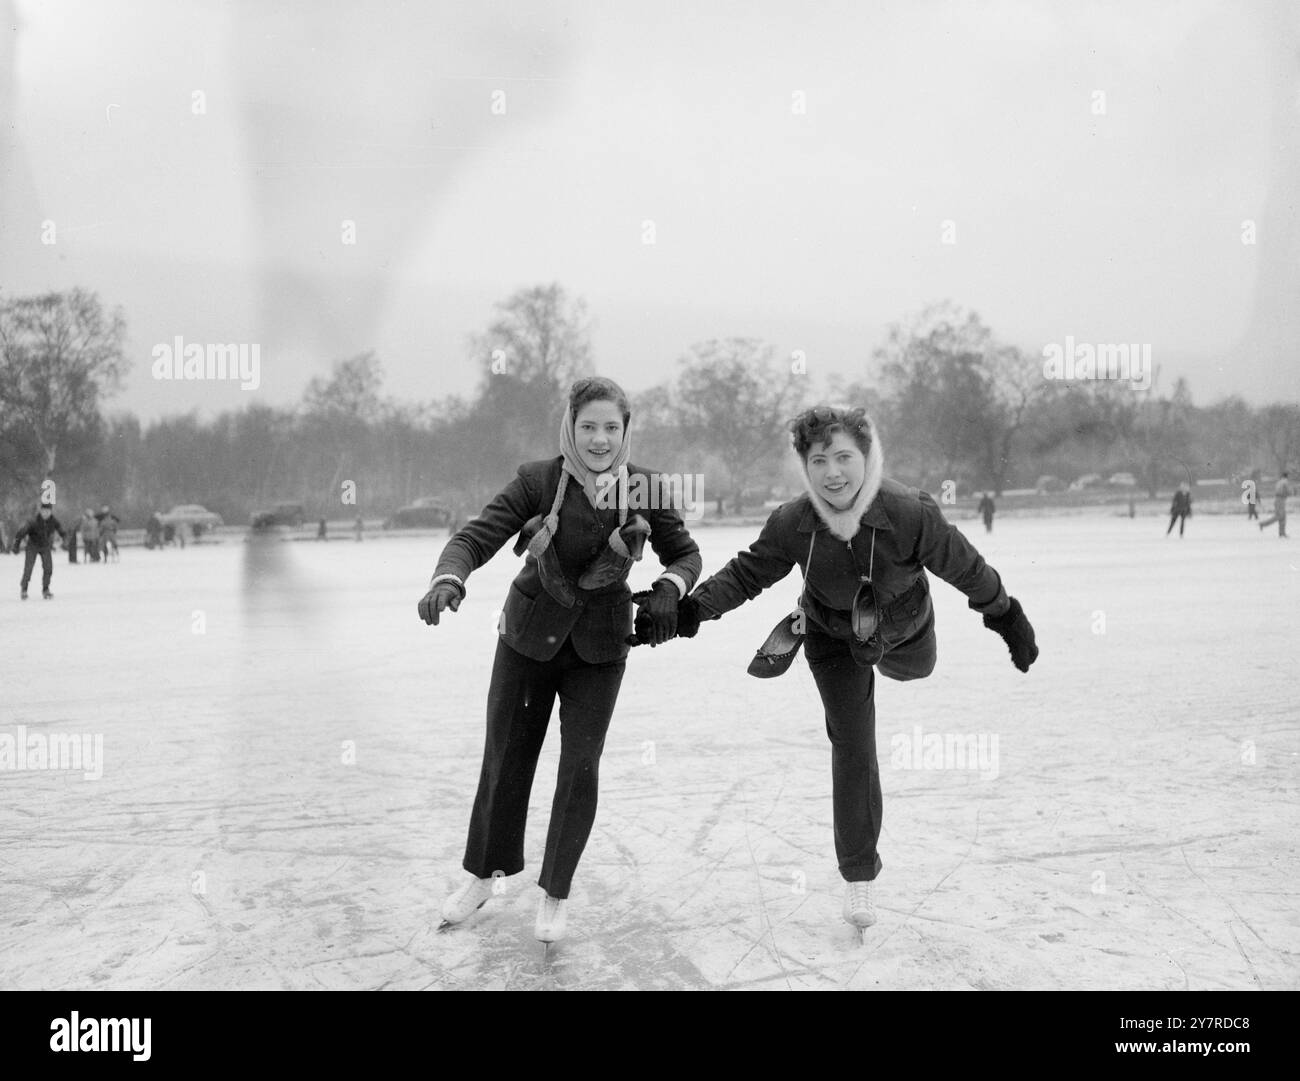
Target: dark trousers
(848, 693)
(520, 699)
(1279, 516)
(47, 567)
(1181, 519)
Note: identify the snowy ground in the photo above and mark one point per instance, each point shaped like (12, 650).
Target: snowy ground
(289, 757)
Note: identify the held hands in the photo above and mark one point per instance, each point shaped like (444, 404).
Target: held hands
(443, 595)
(1017, 633)
(684, 618)
(656, 617)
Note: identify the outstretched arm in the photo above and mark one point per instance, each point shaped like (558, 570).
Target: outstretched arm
(768, 560)
(942, 550)
(476, 543)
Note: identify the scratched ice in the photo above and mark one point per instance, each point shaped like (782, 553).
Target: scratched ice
(290, 757)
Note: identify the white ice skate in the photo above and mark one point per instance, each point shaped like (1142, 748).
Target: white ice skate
(860, 905)
(468, 899)
(551, 918)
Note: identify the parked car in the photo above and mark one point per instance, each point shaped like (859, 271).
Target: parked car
(287, 514)
(426, 512)
(191, 514)
(1049, 483)
(1123, 480)
(1088, 480)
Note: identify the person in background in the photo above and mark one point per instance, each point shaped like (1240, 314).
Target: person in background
(90, 535)
(72, 541)
(358, 527)
(108, 523)
(986, 510)
(1281, 491)
(39, 532)
(1180, 509)
(320, 530)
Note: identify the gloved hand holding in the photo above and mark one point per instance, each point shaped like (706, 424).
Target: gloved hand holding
(689, 617)
(659, 604)
(443, 595)
(1016, 631)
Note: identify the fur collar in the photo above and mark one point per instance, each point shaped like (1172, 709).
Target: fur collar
(845, 524)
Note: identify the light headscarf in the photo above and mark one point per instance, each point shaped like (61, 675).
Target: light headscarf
(575, 467)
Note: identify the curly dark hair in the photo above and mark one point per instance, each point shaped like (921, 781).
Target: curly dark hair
(597, 388)
(821, 422)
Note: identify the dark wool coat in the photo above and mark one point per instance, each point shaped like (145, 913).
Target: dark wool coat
(532, 622)
(39, 532)
(911, 537)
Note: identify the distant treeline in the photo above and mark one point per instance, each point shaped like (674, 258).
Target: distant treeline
(951, 403)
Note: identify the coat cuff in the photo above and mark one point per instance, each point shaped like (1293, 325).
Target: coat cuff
(676, 580)
(998, 606)
(448, 578)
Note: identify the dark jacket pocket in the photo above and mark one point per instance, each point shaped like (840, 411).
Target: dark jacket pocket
(905, 615)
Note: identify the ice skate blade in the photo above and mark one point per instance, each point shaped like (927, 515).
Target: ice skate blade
(447, 925)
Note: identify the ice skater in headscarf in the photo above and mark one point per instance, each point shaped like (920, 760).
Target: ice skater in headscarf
(864, 543)
(562, 634)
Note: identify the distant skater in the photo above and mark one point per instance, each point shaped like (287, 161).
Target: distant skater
(1280, 493)
(39, 532)
(358, 527)
(1180, 509)
(987, 510)
(108, 523)
(90, 536)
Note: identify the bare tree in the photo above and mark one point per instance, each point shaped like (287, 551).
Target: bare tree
(941, 404)
(1279, 429)
(60, 355)
(734, 403)
(538, 343)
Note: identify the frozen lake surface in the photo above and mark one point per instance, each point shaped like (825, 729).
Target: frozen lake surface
(289, 757)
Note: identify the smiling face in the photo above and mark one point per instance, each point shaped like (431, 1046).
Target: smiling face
(837, 469)
(598, 433)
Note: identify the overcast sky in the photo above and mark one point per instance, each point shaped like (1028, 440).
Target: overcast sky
(812, 228)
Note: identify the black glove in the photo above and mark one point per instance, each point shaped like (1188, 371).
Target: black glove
(689, 617)
(443, 595)
(656, 620)
(642, 628)
(1017, 633)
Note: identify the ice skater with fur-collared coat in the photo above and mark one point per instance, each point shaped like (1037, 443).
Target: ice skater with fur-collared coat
(563, 633)
(864, 544)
